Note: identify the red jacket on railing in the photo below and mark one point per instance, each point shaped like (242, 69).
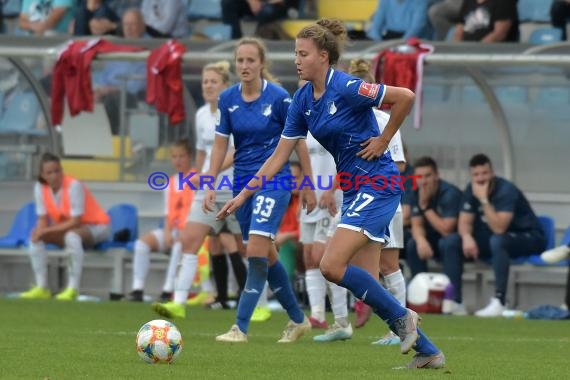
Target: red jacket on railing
(403, 67)
(72, 76)
(165, 88)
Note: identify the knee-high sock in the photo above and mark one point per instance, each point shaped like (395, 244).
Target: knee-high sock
(38, 257)
(74, 245)
(366, 288)
(141, 264)
(338, 300)
(220, 269)
(424, 345)
(239, 269)
(283, 291)
(183, 283)
(396, 284)
(317, 291)
(256, 278)
(173, 263)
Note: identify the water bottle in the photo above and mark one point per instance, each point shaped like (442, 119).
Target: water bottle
(514, 314)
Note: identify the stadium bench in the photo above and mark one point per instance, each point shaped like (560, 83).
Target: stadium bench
(108, 255)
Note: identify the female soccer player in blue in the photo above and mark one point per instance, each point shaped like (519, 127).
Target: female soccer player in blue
(254, 112)
(337, 109)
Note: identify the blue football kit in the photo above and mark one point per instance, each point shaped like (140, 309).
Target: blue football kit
(256, 128)
(341, 120)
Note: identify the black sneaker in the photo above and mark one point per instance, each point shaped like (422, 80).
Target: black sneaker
(136, 296)
(165, 296)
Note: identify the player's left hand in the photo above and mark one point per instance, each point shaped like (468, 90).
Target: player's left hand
(230, 206)
(308, 199)
(374, 147)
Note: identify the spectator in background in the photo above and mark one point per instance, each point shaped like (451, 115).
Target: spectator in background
(95, 17)
(435, 208)
(443, 16)
(107, 86)
(165, 18)
(559, 15)
(395, 19)
(497, 222)
(45, 17)
(488, 21)
(264, 12)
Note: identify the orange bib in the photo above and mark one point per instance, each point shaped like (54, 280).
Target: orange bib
(179, 203)
(92, 213)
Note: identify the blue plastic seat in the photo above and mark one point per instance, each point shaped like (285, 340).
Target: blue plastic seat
(21, 228)
(20, 113)
(12, 8)
(552, 97)
(550, 234)
(543, 36)
(217, 32)
(512, 94)
(124, 221)
(450, 34)
(534, 10)
(537, 260)
(205, 9)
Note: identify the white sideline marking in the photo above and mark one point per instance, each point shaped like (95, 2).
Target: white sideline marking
(436, 338)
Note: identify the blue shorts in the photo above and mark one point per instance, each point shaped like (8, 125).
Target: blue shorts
(370, 212)
(262, 213)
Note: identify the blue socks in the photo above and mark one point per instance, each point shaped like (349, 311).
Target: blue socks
(256, 277)
(281, 287)
(365, 287)
(424, 346)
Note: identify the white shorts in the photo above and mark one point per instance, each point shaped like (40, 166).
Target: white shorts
(334, 224)
(159, 235)
(197, 215)
(396, 229)
(99, 232)
(315, 232)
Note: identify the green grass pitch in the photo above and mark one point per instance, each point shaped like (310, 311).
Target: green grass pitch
(49, 340)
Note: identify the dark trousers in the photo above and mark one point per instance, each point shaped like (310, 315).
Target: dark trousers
(559, 15)
(447, 250)
(499, 249)
(234, 10)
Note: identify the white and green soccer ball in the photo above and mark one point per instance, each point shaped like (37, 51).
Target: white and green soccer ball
(159, 341)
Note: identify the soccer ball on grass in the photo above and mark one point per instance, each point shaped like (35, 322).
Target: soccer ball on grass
(159, 341)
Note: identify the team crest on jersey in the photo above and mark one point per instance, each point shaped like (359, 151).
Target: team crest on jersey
(370, 90)
(266, 110)
(332, 107)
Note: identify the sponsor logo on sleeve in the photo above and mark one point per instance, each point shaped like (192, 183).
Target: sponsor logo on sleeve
(370, 90)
